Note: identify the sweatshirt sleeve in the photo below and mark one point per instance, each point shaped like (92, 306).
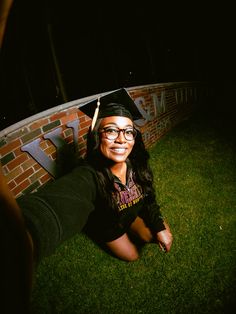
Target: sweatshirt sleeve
(152, 216)
(60, 209)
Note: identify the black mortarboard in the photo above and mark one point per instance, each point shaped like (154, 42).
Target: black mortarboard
(116, 103)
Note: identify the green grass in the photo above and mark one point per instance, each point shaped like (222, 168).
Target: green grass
(195, 180)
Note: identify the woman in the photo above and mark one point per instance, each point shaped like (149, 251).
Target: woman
(109, 195)
(116, 151)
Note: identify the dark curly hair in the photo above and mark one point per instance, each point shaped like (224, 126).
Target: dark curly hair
(139, 159)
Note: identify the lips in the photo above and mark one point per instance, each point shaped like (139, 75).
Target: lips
(119, 150)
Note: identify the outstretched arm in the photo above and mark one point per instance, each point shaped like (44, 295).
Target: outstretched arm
(16, 254)
(9, 206)
(5, 7)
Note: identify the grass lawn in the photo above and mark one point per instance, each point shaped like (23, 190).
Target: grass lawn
(195, 178)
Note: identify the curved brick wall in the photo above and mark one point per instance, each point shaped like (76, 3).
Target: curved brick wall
(28, 149)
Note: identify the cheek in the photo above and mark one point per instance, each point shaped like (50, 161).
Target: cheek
(104, 145)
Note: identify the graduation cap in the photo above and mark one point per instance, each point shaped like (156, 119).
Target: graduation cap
(116, 103)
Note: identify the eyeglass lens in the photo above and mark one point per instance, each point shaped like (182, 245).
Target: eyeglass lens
(112, 133)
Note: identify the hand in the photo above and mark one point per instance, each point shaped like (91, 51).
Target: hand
(165, 238)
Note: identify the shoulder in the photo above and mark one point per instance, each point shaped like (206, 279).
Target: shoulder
(84, 170)
(81, 178)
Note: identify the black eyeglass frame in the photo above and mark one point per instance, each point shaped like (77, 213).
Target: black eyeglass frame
(104, 130)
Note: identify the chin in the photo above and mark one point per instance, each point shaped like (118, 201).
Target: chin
(118, 158)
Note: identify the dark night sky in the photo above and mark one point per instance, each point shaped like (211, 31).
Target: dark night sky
(100, 47)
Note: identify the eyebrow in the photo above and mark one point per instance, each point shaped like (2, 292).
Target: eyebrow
(114, 124)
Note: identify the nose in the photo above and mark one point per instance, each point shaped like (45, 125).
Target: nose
(121, 137)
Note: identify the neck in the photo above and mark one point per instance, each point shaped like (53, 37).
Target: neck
(119, 170)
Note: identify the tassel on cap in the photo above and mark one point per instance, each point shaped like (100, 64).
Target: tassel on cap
(95, 116)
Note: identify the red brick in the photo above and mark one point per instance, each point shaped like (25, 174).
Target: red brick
(83, 132)
(44, 144)
(13, 174)
(53, 155)
(38, 124)
(69, 118)
(24, 175)
(17, 152)
(85, 125)
(50, 150)
(81, 116)
(37, 175)
(72, 110)
(45, 178)
(17, 161)
(69, 139)
(11, 185)
(21, 187)
(57, 116)
(36, 166)
(28, 163)
(10, 147)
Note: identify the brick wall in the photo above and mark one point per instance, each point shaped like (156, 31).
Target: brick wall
(28, 149)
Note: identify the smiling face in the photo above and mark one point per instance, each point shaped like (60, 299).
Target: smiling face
(116, 150)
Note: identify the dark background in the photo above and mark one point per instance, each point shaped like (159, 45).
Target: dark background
(57, 51)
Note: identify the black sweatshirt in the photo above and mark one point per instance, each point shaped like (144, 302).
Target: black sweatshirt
(74, 203)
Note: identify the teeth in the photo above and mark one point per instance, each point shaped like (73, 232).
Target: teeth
(119, 150)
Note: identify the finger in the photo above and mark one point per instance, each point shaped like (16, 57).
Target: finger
(162, 247)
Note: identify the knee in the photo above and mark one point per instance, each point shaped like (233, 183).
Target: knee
(129, 255)
(132, 256)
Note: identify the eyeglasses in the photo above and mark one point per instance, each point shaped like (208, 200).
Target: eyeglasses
(112, 133)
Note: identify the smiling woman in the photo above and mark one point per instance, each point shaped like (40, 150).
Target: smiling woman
(109, 195)
(128, 206)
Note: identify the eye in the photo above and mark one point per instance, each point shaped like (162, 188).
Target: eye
(129, 131)
(111, 130)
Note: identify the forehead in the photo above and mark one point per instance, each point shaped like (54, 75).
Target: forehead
(120, 122)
